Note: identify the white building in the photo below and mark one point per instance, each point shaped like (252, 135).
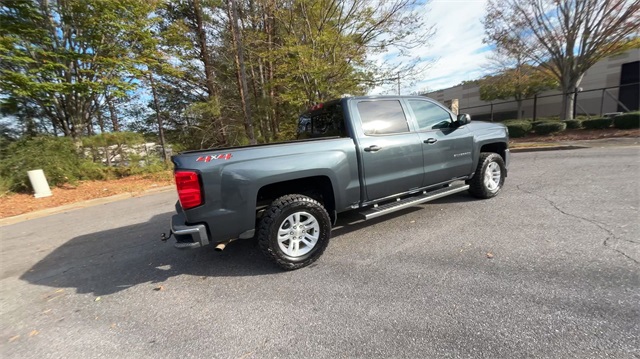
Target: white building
(601, 93)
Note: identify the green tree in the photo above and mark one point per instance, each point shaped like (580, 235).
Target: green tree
(25, 116)
(255, 65)
(188, 34)
(564, 37)
(303, 52)
(519, 82)
(67, 57)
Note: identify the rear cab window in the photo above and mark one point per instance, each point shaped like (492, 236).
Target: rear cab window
(327, 120)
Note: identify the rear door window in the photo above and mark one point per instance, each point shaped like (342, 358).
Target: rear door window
(382, 117)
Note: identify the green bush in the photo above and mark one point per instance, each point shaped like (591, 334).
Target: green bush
(518, 128)
(536, 123)
(5, 186)
(597, 123)
(113, 138)
(540, 120)
(546, 128)
(96, 145)
(56, 156)
(92, 171)
(136, 166)
(627, 120)
(537, 120)
(573, 124)
(63, 162)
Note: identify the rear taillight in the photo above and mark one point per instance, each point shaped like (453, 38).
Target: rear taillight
(189, 192)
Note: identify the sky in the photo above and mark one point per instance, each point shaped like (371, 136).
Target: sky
(456, 47)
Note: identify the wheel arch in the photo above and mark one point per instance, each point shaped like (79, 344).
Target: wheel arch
(318, 187)
(501, 148)
(495, 147)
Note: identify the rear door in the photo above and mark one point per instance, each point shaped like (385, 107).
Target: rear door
(391, 154)
(447, 148)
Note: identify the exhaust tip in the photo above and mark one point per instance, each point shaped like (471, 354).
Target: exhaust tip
(220, 247)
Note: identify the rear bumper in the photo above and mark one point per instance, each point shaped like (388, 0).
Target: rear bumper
(188, 236)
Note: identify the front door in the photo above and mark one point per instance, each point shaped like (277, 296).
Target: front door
(447, 148)
(391, 154)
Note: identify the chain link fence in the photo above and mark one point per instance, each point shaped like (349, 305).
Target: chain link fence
(600, 102)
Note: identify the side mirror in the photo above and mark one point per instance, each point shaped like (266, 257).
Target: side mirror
(463, 119)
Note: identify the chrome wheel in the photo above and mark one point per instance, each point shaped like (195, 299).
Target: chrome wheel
(298, 234)
(492, 176)
(489, 176)
(294, 231)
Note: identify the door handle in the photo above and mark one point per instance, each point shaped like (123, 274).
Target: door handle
(430, 141)
(373, 148)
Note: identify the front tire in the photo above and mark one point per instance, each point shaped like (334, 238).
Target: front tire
(489, 177)
(294, 231)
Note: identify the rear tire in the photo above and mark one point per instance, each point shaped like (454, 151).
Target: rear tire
(489, 177)
(294, 231)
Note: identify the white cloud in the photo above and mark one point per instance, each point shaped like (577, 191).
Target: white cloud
(457, 46)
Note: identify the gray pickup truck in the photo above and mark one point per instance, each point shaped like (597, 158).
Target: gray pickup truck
(369, 154)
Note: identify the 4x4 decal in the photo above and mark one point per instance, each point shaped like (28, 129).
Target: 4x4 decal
(224, 156)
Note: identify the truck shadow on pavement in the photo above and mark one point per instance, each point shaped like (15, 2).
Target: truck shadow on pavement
(111, 261)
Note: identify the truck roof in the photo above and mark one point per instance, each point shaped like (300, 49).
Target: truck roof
(371, 97)
(318, 107)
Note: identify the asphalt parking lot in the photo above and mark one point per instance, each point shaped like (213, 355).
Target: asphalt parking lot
(550, 268)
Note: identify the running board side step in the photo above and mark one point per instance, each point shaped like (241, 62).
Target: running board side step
(412, 201)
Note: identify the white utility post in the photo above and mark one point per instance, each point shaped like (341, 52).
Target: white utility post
(39, 183)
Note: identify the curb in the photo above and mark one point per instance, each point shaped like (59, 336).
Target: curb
(546, 148)
(78, 205)
(576, 144)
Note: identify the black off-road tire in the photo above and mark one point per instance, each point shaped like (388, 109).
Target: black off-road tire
(477, 185)
(276, 215)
